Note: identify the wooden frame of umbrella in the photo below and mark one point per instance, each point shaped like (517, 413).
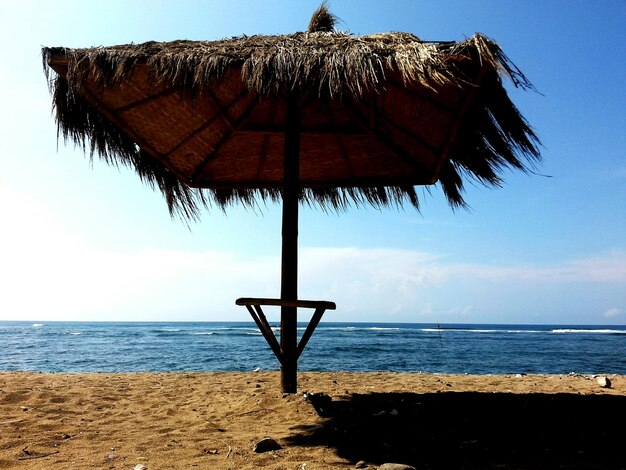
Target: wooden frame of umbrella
(321, 117)
(289, 349)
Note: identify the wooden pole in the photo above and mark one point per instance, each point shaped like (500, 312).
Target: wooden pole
(289, 267)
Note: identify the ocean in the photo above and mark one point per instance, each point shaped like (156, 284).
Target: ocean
(359, 347)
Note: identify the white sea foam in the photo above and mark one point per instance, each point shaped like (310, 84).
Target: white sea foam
(439, 330)
(526, 331)
(37, 325)
(341, 328)
(204, 333)
(583, 330)
(360, 328)
(234, 328)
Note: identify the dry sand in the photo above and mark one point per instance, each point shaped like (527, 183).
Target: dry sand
(212, 420)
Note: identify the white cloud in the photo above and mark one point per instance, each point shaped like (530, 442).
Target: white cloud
(609, 268)
(47, 273)
(417, 286)
(613, 313)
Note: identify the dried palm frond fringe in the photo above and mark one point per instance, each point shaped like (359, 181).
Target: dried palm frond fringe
(322, 20)
(333, 65)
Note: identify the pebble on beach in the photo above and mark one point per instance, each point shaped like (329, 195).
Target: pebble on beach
(395, 466)
(265, 445)
(603, 381)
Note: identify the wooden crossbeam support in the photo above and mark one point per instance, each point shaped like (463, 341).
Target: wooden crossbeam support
(145, 99)
(232, 128)
(254, 307)
(261, 322)
(126, 129)
(317, 316)
(367, 122)
(286, 303)
(469, 99)
(207, 124)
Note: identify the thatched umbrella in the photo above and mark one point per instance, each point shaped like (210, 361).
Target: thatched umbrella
(320, 117)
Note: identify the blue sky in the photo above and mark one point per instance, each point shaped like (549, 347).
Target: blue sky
(83, 241)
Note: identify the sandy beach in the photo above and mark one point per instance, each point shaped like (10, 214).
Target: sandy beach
(213, 420)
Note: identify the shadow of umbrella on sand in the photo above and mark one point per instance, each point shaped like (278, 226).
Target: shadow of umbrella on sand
(320, 117)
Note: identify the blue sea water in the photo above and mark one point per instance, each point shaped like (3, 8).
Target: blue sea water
(231, 346)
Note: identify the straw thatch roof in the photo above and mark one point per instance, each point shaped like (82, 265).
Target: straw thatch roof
(380, 114)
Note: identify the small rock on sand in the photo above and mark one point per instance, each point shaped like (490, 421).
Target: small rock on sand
(140, 466)
(395, 466)
(265, 445)
(320, 402)
(603, 381)
(361, 464)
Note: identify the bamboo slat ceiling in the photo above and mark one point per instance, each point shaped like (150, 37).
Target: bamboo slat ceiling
(380, 114)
